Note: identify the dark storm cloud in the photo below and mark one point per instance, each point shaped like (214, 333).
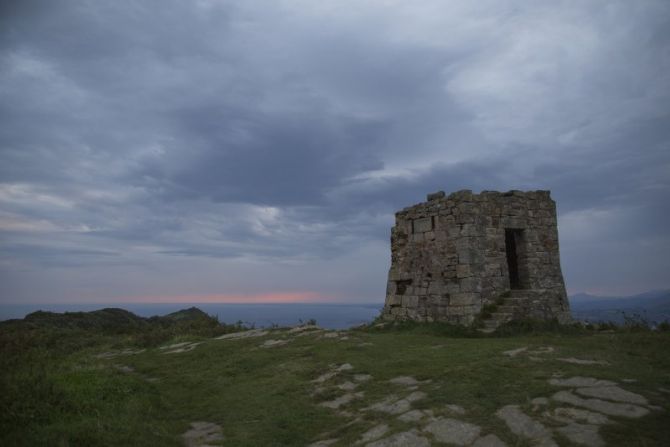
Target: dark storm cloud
(284, 136)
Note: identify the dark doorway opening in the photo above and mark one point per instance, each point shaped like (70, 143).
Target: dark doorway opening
(512, 246)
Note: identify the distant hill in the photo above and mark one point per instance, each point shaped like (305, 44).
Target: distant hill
(112, 320)
(653, 306)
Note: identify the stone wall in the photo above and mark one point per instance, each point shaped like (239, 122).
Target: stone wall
(449, 257)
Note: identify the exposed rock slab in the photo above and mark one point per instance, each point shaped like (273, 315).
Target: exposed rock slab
(453, 431)
(391, 405)
(582, 361)
(524, 426)
(342, 400)
(613, 393)
(243, 334)
(347, 386)
(490, 440)
(515, 352)
(323, 443)
(601, 406)
(375, 432)
(273, 343)
(568, 415)
(412, 416)
(579, 381)
(306, 327)
(455, 409)
(201, 434)
(582, 434)
(404, 380)
(410, 438)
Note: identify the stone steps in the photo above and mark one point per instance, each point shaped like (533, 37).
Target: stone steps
(514, 304)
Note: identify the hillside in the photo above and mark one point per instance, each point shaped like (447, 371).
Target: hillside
(377, 386)
(653, 306)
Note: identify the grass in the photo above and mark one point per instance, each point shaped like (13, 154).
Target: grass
(55, 391)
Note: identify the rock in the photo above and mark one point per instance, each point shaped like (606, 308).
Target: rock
(453, 431)
(243, 334)
(455, 409)
(324, 443)
(344, 367)
(613, 393)
(580, 382)
(540, 401)
(391, 405)
(112, 354)
(411, 416)
(273, 343)
(124, 368)
(404, 439)
(201, 434)
(375, 432)
(184, 348)
(582, 434)
(342, 400)
(524, 426)
(542, 350)
(417, 395)
(601, 406)
(404, 380)
(582, 361)
(489, 441)
(306, 327)
(568, 415)
(325, 376)
(175, 345)
(347, 386)
(515, 352)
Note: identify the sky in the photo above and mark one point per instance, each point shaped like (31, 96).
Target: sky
(254, 151)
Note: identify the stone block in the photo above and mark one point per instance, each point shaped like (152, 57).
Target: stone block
(394, 300)
(463, 271)
(463, 299)
(410, 301)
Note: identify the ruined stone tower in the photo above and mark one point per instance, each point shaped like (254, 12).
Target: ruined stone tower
(452, 255)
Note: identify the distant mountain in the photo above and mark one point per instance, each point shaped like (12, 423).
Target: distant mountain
(653, 306)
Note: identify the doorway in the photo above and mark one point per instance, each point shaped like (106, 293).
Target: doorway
(513, 239)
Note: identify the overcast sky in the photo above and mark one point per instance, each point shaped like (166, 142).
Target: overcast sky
(257, 150)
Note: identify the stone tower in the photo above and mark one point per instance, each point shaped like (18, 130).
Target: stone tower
(452, 255)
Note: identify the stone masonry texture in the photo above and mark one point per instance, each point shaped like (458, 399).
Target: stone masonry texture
(453, 254)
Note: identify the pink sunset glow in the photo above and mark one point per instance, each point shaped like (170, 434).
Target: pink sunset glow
(282, 297)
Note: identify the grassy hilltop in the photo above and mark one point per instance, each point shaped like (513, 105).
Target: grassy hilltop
(118, 379)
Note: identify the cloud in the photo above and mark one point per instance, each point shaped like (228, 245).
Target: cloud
(254, 141)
